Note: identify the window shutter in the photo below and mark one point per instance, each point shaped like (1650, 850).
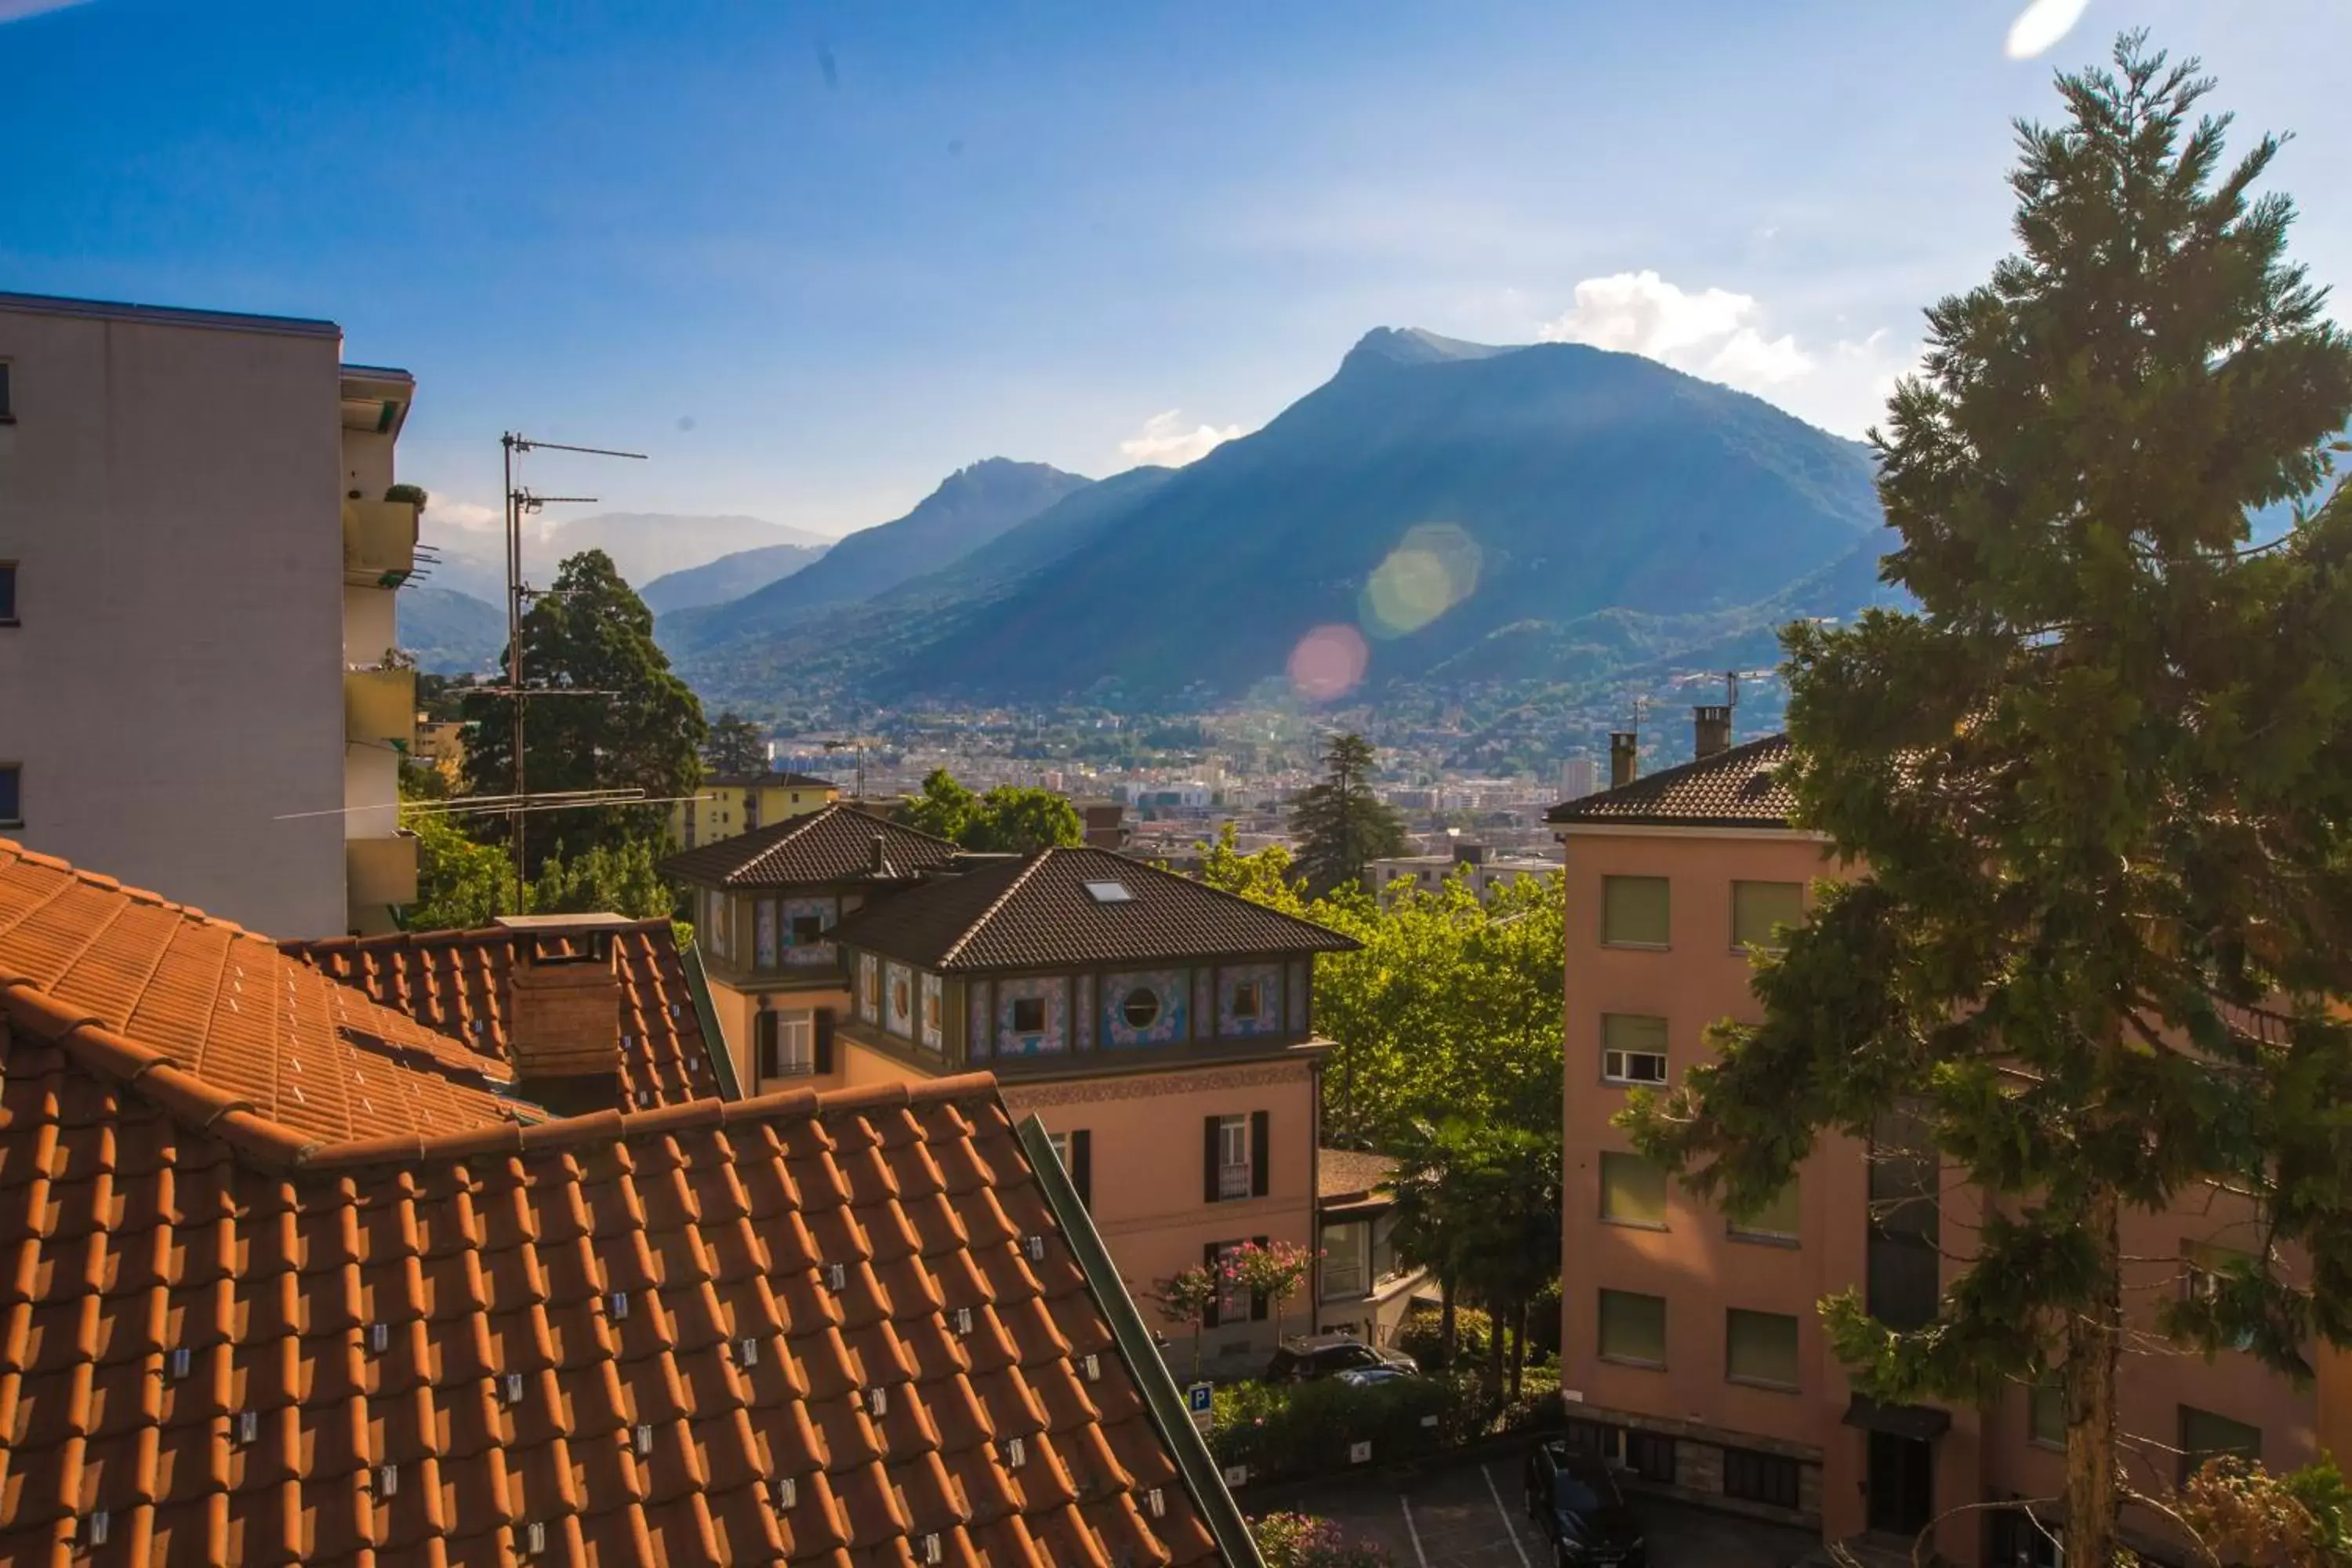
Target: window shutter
(763, 1045)
(1209, 1160)
(1259, 1121)
(1257, 1297)
(824, 1039)
(1209, 1253)
(1082, 1165)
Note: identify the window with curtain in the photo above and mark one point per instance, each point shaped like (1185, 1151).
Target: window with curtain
(2046, 1415)
(1345, 1271)
(1776, 1221)
(1760, 1347)
(1633, 1191)
(1634, 1328)
(1635, 911)
(1757, 907)
(1632, 1048)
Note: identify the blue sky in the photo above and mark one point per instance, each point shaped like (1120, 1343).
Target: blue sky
(813, 256)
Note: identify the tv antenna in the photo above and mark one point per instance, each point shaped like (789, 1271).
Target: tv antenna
(520, 501)
(857, 745)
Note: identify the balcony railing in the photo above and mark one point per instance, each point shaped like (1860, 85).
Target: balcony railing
(379, 542)
(380, 707)
(1232, 1181)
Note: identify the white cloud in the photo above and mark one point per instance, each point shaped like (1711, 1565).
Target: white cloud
(1718, 335)
(17, 10)
(471, 516)
(1165, 442)
(2041, 25)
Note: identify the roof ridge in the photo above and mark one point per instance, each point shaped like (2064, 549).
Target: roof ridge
(972, 927)
(303, 946)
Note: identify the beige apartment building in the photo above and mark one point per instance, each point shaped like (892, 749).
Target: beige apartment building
(1163, 1030)
(197, 569)
(1691, 1349)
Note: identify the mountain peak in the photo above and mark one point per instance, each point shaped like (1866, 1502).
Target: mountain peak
(1417, 346)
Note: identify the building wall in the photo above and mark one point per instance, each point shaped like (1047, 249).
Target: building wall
(172, 495)
(1701, 1270)
(1148, 1196)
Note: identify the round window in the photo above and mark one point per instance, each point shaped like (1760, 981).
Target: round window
(1142, 1008)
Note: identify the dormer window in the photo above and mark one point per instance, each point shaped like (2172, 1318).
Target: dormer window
(1245, 999)
(1028, 1015)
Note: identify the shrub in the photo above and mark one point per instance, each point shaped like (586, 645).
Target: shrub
(1423, 1336)
(1302, 1541)
(1301, 1429)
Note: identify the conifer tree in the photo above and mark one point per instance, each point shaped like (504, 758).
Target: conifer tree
(1340, 824)
(2093, 800)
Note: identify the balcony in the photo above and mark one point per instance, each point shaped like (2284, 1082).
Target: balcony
(380, 707)
(379, 542)
(379, 871)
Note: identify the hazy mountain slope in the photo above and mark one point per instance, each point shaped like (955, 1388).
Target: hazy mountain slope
(729, 577)
(450, 633)
(970, 507)
(643, 545)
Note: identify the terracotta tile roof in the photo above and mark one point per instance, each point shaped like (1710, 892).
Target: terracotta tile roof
(1036, 910)
(833, 844)
(218, 1017)
(457, 982)
(848, 1330)
(1343, 1175)
(1740, 787)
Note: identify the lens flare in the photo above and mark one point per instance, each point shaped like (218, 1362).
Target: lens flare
(1327, 662)
(1433, 568)
(2039, 27)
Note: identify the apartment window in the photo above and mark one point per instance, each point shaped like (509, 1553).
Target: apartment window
(2046, 1415)
(11, 795)
(7, 593)
(787, 1044)
(1230, 1171)
(2206, 1435)
(2203, 1265)
(1903, 1262)
(1245, 999)
(1237, 1302)
(1758, 907)
(1634, 1328)
(1634, 911)
(1345, 1258)
(1633, 1191)
(1752, 1477)
(7, 410)
(808, 930)
(1632, 1048)
(1076, 1152)
(1028, 1015)
(1760, 1347)
(1777, 1221)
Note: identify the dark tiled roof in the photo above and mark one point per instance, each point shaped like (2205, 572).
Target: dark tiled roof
(1740, 787)
(1036, 911)
(800, 1328)
(833, 844)
(1345, 1175)
(769, 780)
(224, 1017)
(457, 982)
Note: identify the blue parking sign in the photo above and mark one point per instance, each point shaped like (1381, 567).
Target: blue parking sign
(1196, 1398)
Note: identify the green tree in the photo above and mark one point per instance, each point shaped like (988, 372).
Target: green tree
(736, 746)
(633, 725)
(944, 809)
(1340, 823)
(1007, 820)
(1478, 1206)
(2094, 795)
(603, 879)
(460, 885)
(1262, 878)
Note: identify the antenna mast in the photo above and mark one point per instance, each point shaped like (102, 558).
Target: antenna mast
(521, 500)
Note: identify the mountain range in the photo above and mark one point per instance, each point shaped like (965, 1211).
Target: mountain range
(1472, 515)
(728, 578)
(645, 546)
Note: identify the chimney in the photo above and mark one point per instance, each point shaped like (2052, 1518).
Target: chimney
(1624, 762)
(1469, 854)
(563, 1016)
(879, 860)
(1710, 730)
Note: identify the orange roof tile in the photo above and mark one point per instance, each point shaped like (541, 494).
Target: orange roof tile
(457, 981)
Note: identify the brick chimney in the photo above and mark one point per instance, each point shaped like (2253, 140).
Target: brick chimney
(564, 1002)
(1624, 758)
(1710, 730)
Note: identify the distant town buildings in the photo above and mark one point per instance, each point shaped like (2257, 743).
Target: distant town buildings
(730, 804)
(199, 548)
(1481, 870)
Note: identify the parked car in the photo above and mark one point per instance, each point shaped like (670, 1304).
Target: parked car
(1317, 1356)
(1373, 1376)
(1574, 1501)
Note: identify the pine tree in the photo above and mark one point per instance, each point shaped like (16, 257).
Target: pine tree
(736, 746)
(1341, 826)
(2094, 798)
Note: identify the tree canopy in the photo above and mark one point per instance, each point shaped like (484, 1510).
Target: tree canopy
(2093, 798)
(1341, 826)
(1008, 820)
(735, 745)
(633, 725)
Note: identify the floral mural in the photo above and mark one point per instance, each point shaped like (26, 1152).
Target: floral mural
(899, 1000)
(1032, 1016)
(869, 988)
(804, 923)
(1144, 1008)
(934, 1014)
(1249, 1000)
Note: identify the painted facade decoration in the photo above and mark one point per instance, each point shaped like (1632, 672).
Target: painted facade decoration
(764, 922)
(1145, 1007)
(1082, 1014)
(1204, 996)
(805, 923)
(934, 1014)
(899, 1000)
(1047, 1002)
(979, 1040)
(869, 987)
(1249, 1001)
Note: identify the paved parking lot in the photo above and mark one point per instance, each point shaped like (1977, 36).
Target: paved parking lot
(1471, 1515)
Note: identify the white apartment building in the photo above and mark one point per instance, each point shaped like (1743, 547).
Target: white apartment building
(197, 569)
(1486, 868)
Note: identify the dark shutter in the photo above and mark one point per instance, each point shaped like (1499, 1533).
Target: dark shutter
(1208, 1257)
(1209, 1160)
(763, 1045)
(1082, 1165)
(1259, 1169)
(824, 1039)
(1257, 1297)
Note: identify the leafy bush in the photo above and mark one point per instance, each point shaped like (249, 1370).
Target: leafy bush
(1423, 1336)
(1299, 1429)
(1302, 1541)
